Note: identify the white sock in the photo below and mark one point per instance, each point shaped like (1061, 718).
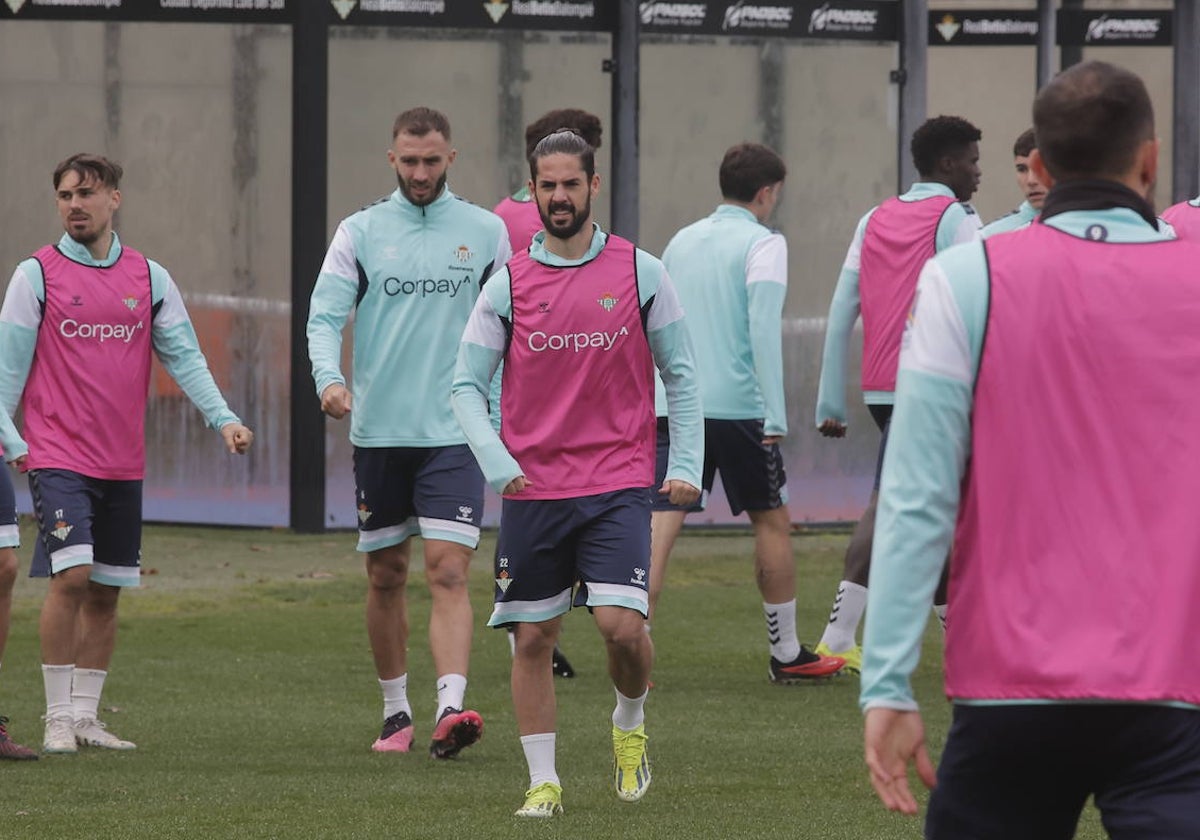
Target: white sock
(86, 685)
(631, 711)
(781, 630)
(940, 611)
(512, 642)
(539, 755)
(395, 696)
(57, 679)
(451, 689)
(848, 609)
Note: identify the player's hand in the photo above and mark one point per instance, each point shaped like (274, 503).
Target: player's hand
(516, 486)
(832, 428)
(771, 440)
(237, 438)
(895, 739)
(679, 492)
(335, 401)
(21, 462)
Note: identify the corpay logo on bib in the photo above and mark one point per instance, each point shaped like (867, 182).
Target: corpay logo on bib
(70, 328)
(575, 342)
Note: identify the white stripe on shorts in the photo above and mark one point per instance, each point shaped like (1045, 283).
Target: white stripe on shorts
(10, 536)
(463, 533)
(70, 557)
(386, 537)
(530, 612)
(116, 575)
(617, 595)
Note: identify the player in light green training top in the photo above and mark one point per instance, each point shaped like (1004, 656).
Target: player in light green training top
(1027, 180)
(410, 266)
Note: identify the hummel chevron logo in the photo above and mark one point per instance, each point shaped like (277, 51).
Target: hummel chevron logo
(773, 634)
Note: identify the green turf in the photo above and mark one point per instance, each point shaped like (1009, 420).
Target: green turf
(244, 675)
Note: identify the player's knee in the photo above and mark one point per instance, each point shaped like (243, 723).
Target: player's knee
(625, 634)
(535, 640)
(8, 570)
(387, 576)
(448, 572)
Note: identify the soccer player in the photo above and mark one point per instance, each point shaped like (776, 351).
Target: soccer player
(1184, 217)
(520, 214)
(890, 244)
(580, 320)
(519, 211)
(10, 539)
(1071, 658)
(80, 321)
(730, 271)
(1027, 180)
(410, 266)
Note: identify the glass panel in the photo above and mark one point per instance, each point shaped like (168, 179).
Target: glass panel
(490, 85)
(200, 118)
(830, 110)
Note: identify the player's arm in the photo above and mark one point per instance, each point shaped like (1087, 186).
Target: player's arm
(479, 355)
(958, 224)
(844, 310)
(766, 290)
(671, 346)
(918, 503)
(929, 444)
(178, 348)
(334, 296)
(20, 317)
(503, 255)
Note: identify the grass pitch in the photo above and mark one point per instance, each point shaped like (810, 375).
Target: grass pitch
(244, 675)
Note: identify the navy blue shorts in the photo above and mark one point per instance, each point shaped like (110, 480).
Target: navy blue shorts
(882, 415)
(546, 546)
(400, 491)
(85, 521)
(1027, 770)
(10, 534)
(752, 474)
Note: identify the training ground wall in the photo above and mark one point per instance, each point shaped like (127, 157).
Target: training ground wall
(200, 116)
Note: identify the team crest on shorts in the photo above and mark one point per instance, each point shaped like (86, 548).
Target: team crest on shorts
(15, 5)
(61, 529)
(608, 301)
(363, 514)
(502, 579)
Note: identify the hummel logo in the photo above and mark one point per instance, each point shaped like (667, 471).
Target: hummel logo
(773, 634)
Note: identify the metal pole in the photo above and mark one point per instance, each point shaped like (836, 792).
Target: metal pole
(512, 111)
(1071, 54)
(625, 109)
(310, 125)
(772, 77)
(1185, 174)
(912, 77)
(1047, 41)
